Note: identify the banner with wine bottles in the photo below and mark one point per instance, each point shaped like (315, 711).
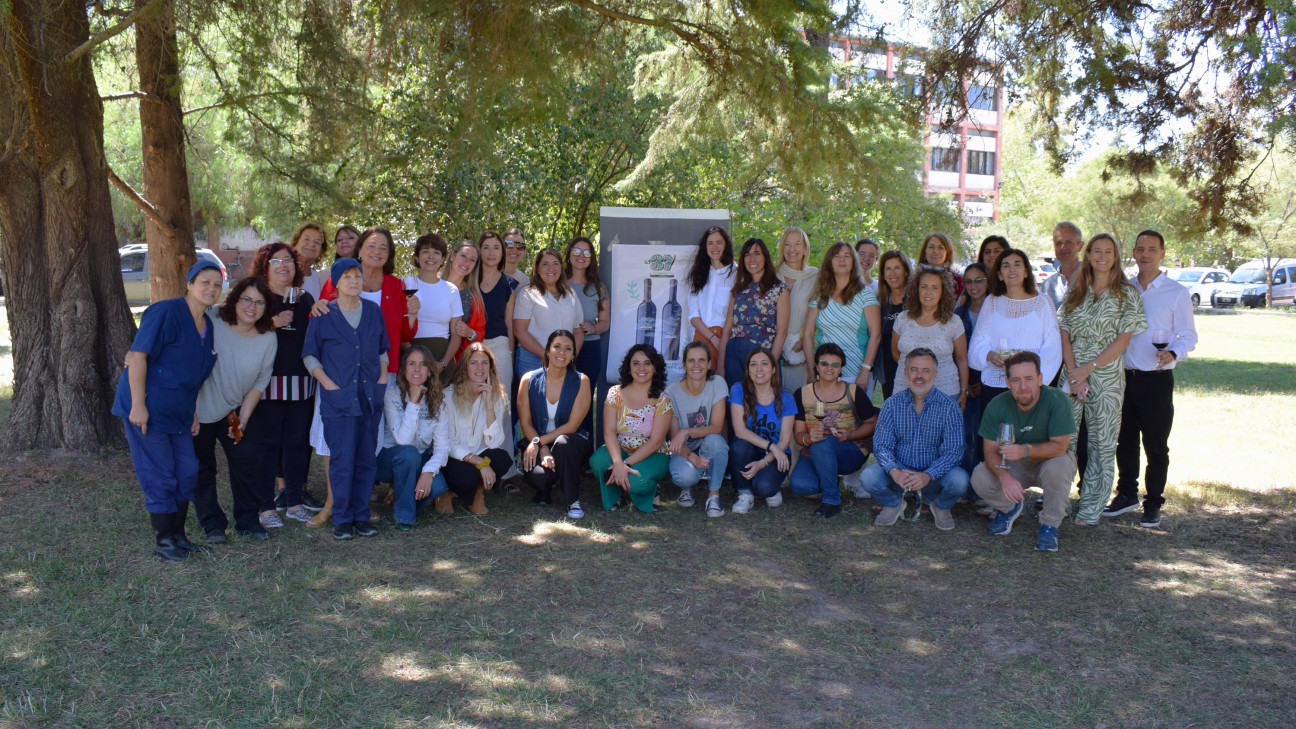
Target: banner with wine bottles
(645, 257)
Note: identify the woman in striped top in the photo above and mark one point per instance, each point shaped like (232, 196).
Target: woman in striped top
(844, 311)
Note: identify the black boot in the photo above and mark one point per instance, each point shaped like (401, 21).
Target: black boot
(178, 524)
(165, 546)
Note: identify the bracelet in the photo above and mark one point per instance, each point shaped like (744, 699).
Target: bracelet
(866, 366)
(769, 446)
(485, 461)
(1027, 450)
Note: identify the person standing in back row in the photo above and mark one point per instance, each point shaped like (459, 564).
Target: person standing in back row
(1147, 410)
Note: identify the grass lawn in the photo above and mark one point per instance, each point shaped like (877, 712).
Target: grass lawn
(521, 619)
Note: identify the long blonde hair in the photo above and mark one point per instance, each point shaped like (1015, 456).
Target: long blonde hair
(470, 281)
(460, 381)
(805, 242)
(1116, 282)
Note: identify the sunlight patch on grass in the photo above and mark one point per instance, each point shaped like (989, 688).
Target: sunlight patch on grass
(542, 532)
(417, 595)
(20, 584)
(405, 667)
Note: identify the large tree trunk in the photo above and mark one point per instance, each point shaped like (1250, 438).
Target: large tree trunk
(166, 178)
(66, 305)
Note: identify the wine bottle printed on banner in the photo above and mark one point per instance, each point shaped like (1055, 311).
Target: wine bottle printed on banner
(647, 317)
(672, 313)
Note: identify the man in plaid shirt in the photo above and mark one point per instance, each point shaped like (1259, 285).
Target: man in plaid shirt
(918, 444)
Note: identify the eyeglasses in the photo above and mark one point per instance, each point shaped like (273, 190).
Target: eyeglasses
(978, 280)
(930, 267)
(277, 262)
(254, 303)
(519, 245)
(829, 363)
(581, 253)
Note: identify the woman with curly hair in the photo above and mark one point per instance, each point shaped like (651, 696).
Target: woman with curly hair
(938, 250)
(1099, 315)
(477, 417)
(415, 441)
(928, 321)
(636, 418)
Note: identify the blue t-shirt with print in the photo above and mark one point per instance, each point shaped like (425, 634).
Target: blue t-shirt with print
(767, 421)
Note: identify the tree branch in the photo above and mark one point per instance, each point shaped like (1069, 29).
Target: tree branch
(131, 95)
(147, 207)
(109, 32)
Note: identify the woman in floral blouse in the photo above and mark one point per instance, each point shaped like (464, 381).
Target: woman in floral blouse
(637, 417)
(759, 310)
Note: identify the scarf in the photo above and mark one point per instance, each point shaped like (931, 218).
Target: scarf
(801, 283)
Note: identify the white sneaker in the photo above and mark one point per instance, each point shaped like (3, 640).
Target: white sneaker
(775, 500)
(852, 480)
(743, 504)
(686, 498)
(713, 507)
(576, 512)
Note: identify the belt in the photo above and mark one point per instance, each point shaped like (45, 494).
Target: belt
(1146, 373)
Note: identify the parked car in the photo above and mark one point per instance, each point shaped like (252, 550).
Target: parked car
(1246, 287)
(135, 276)
(1199, 281)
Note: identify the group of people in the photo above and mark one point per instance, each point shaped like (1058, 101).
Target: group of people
(471, 376)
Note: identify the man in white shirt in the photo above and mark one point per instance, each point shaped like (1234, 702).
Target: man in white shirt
(867, 251)
(514, 251)
(1067, 244)
(1148, 408)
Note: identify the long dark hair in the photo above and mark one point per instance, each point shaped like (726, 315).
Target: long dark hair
(744, 279)
(434, 395)
(390, 266)
(697, 275)
(549, 343)
(749, 387)
(826, 280)
(658, 383)
(349, 228)
(261, 264)
(1002, 241)
(965, 299)
(997, 285)
(230, 315)
(591, 273)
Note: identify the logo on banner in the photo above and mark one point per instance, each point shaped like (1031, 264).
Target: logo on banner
(661, 262)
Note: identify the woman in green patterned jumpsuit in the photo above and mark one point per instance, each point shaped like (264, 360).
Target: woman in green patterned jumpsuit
(1099, 315)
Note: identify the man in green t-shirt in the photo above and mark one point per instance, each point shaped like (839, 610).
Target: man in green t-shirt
(1039, 454)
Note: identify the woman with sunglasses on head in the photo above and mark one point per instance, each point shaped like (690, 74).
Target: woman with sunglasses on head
(834, 422)
(169, 359)
(710, 284)
(581, 269)
(375, 252)
(794, 271)
(758, 313)
(245, 346)
(544, 306)
(697, 443)
(762, 413)
(1101, 312)
(476, 408)
(439, 304)
(288, 404)
(462, 270)
(515, 250)
(551, 404)
(928, 322)
(892, 285)
(975, 288)
(938, 250)
(415, 439)
(309, 244)
(636, 419)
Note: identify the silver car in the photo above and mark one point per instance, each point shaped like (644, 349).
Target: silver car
(135, 274)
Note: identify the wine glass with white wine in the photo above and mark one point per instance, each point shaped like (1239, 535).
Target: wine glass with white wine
(1003, 350)
(1006, 438)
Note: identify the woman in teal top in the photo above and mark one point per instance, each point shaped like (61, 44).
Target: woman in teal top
(843, 311)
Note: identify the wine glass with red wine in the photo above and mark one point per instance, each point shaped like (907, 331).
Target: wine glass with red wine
(290, 302)
(1160, 340)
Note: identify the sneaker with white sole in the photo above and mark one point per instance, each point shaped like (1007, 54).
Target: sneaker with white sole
(775, 500)
(686, 498)
(271, 520)
(743, 504)
(298, 513)
(713, 507)
(943, 518)
(575, 511)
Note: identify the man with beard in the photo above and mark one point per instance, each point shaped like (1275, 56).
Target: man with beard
(1042, 426)
(917, 444)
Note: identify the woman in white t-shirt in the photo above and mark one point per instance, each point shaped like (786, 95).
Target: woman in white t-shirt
(544, 306)
(710, 282)
(440, 306)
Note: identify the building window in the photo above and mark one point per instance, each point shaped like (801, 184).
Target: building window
(981, 163)
(944, 159)
(983, 97)
(909, 85)
(972, 132)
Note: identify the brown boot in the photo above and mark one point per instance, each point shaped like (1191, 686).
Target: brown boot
(443, 503)
(479, 502)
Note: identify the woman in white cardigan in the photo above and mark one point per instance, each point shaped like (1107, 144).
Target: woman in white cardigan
(414, 440)
(477, 413)
(1015, 317)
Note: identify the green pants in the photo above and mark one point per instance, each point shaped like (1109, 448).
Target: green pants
(643, 487)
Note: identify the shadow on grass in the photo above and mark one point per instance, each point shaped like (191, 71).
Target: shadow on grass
(1215, 376)
(523, 618)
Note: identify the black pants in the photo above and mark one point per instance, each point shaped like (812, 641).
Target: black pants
(570, 453)
(243, 459)
(1147, 411)
(464, 479)
(285, 451)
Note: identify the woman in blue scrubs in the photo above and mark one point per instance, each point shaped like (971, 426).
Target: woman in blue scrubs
(156, 399)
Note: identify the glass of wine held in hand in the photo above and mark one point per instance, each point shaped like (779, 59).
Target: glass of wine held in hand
(1006, 438)
(290, 301)
(1160, 340)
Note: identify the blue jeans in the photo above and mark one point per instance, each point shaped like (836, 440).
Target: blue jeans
(943, 492)
(767, 481)
(402, 466)
(686, 475)
(524, 361)
(736, 352)
(589, 362)
(817, 469)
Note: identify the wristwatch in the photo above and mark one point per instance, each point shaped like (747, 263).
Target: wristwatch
(536, 441)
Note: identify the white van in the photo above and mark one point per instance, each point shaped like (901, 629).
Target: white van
(1246, 287)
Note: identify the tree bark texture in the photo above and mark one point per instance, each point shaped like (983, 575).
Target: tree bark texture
(67, 309)
(165, 175)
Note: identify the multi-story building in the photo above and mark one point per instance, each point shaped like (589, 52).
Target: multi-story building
(963, 155)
